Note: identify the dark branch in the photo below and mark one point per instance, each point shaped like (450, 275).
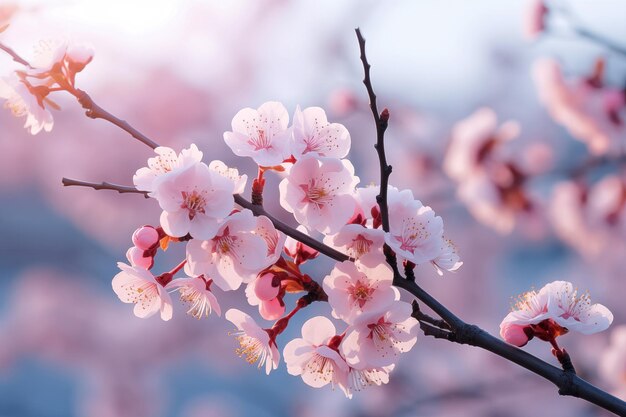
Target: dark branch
(96, 112)
(122, 189)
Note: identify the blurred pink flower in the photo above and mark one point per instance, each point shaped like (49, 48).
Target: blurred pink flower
(21, 101)
(613, 362)
(534, 18)
(581, 106)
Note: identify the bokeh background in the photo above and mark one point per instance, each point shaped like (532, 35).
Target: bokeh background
(179, 71)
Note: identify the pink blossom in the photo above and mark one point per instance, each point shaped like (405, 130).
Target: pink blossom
(355, 288)
(313, 133)
(196, 292)
(255, 342)
(448, 258)
(579, 106)
(359, 379)
(318, 191)
(194, 200)
(22, 102)
(261, 134)
(575, 312)
(239, 181)
(315, 357)
(356, 241)
(78, 56)
(473, 139)
(136, 258)
(234, 255)
(260, 292)
(551, 312)
(613, 362)
(415, 233)
(166, 162)
(376, 338)
(298, 250)
(138, 286)
(534, 18)
(145, 237)
(274, 239)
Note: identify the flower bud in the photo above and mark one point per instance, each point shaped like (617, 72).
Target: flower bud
(136, 258)
(514, 334)
(272, 309)
(78, 56)
(263, 287)
(145, 237)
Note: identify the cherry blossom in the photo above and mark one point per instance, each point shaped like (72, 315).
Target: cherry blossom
(448, 258)
(230, 173)
(194, 200)
(145, 237)
(360, 287)
(255, 342)
(261, 134)
(263, 293)
(315, 356)
(298, 250)
(415, 232)
(234, 255)
(356, 241)
(359, 379)
(166, 162)
(534, 18)
(313, 133)
(197, 293)
(376, 338)
(274, 239)
(22, 103)
(318, 191)
(138, 286)
(553, 311)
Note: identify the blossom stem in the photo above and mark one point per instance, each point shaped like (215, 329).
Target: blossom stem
(15, 56)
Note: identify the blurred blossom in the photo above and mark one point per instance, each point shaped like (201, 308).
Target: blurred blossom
(613, 364)
(534, 18)
(591, 111)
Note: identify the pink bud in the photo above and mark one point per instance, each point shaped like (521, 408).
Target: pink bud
(514, 334)
(145, 237)
(263, 287)
(136, 258)
(78, 56)
(271, 310)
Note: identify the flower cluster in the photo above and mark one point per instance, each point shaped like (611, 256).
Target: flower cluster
(551, 312)
(53, 68)
(229, 246)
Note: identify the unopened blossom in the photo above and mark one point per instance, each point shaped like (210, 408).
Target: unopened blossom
(579, 105)
(415, 232)
(356, 241)
(613, 362)
(376, 338)
(23, 103)
(315, 356)
(355, 288)
(255, 343)
(265, 293)
(233, 255)
(553, 311)
(136, 257)
(232, 174)
(145, 237)
(167, 161)
(448, 258)
(194, 200)
(262, 134)
(473, 140)
(138, 286)
(197, 294)
(312, 133)
(318, 191)
(78, 55)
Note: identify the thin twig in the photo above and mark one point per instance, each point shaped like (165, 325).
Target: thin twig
(122, 189)
(15, 56)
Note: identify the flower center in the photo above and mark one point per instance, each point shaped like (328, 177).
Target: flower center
(321, 367)
(250, 347)
(413, 233)
(360, 246)
(195, 202)
(316, 194)
(200, 305)
(224, 243)
(360, 293)
(261, 141)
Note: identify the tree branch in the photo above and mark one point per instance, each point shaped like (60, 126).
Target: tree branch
(15, 56)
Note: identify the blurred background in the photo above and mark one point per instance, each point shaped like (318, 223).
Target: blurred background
(178, 71)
